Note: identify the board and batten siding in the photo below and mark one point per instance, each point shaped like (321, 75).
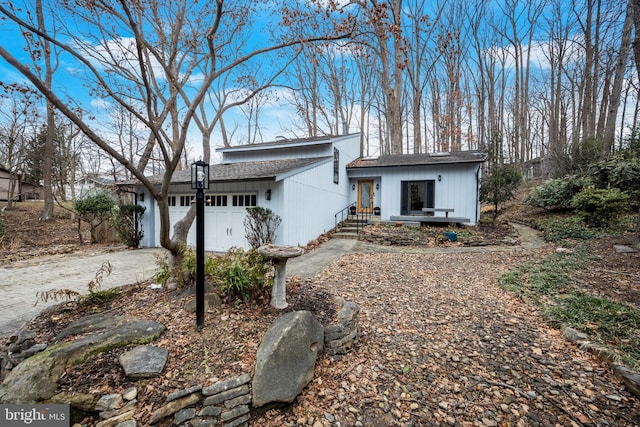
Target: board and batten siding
(350, 144)
(310, 200)
(458, 188)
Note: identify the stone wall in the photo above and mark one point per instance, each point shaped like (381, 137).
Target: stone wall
(225, 403)
(339, 337)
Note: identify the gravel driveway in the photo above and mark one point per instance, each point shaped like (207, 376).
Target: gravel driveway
(442, 344)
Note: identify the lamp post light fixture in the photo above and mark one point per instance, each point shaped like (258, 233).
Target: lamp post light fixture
(199, 182)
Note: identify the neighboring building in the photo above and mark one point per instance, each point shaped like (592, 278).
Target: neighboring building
(89, 185)
(23, 190)
(308, 181)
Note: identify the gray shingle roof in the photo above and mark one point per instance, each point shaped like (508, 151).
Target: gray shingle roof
(242, 171)
(281, 142)
(419, 159)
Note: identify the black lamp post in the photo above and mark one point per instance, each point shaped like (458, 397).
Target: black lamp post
(199, 182)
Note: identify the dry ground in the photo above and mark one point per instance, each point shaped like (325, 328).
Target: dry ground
(441, 343)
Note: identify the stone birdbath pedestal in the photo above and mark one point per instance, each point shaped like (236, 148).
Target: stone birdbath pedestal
(280, 255)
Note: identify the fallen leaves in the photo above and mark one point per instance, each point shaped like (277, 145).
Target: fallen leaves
(442, 344)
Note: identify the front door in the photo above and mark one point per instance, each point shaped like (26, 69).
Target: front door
(365, 196)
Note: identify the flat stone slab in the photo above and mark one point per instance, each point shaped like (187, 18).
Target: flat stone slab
(624, 249)
(144, 361)
(35, 379)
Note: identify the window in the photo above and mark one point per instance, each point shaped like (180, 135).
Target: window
(416, 195)
(171, 200)
(244, 200)
(216, 200)
(185, 200)
(336, 165)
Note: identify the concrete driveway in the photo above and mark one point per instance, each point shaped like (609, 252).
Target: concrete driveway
(20, 282)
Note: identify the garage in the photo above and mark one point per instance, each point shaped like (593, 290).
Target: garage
(224, 216)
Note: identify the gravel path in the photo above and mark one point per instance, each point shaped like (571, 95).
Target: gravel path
(442, 344)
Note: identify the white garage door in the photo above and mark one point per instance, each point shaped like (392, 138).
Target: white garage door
(224, 216)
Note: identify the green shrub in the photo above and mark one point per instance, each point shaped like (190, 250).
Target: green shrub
(556, 193)
(498, 187)
(571, 227)
(242, 275)
(127, 221)
(164, 271)
(584, 153)
(94, 209)
(600, 207)
(99, 297)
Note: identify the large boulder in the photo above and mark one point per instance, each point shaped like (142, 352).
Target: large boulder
(34, 380)
(286, 358)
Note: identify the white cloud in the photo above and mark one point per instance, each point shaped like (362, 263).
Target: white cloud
(100, 103)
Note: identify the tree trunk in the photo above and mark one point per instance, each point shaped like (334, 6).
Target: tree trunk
(179, 241)
(636, 54)
(621, 66)
(47, 162)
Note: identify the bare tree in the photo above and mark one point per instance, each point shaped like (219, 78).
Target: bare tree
(620, 75)
(18, 116)
(387, 41)
(422, 58)
(143, 57)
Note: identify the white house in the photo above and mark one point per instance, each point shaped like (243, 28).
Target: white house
(444, 184)
(308, 181)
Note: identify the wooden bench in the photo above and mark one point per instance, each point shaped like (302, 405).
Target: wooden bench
(427, 219)
(433, 210)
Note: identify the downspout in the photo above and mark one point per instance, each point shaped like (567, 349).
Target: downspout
(478, 193)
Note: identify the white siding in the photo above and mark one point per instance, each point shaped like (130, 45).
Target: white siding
(322, 148)
(310, 200)
(457, 189)
(279, 154)
(306, 201)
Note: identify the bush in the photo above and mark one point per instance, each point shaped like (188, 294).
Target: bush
(599, 207)
(556, 193)
(566, 228)
(621, 173)
(499, 186)
(260, 226)
(94, 209)
(242, 275)
(127, 220)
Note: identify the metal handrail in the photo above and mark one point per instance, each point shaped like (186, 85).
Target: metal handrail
(344, 213)
(362, 218)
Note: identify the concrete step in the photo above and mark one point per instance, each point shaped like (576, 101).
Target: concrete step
(345, 235)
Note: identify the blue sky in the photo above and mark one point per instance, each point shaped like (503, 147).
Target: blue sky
(276, 116)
